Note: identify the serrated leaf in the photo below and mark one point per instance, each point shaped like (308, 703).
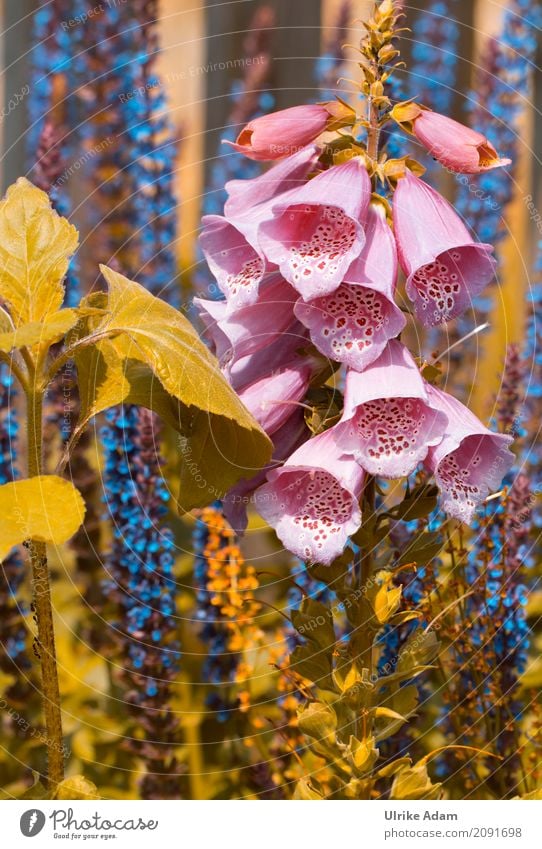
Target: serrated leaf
(44, 508)
(53, 328)
(35, 247)
(222, 442)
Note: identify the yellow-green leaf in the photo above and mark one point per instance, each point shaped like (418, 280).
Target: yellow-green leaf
(387, 601)
(45, 508)
(76, 787)
(6, 324)
(414, 783)
(35, 248)
(52, 329)
(220, 441)
(318, 720)
(363, 753)
(101, 379)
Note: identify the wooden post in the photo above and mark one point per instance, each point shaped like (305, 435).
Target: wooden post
(296, 45)
(17, 29)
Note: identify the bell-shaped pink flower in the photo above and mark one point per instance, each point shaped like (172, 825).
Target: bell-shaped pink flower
(290, 173)
(470, 461)
(230, 243)
(237, 265)
(237, 334)
(316, 231)
(445, 267)
(454, 145)
(388, 423)
(286, 440)
(312, 501)
(354, 324)
(284, 133)
(272, 398)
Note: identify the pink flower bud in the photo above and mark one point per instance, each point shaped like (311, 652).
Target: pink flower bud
(312, 501)
(470, 461)
(445, 267)
(282, 133)
(455, 146)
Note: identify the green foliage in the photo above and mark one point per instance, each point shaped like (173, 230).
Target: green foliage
(128, 346)
(45, 508)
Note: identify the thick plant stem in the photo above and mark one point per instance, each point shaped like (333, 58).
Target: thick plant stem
(363, 636)
(41, 592)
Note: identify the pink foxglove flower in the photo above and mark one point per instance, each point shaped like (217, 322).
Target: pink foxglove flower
(285, 441)
(445, 267)
(286, 175)
(273, 397)
(388, 423)
(248, 329)
(355, 322)
(284, 133)
(470, 462)
(275, 356)
(312, 501)
(229, 242)
(316, 231)
(454, 145)
(237, 265)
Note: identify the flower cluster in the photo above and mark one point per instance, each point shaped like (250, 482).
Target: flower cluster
(227, 608)
(497, 104)
(306, 256)
(141, 582)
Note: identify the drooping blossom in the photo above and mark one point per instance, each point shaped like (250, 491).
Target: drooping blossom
(470, 461)
(271, 398)
(273, 357)
(230, 243)
(315, 232)
(445, 267)
(388, 422)
(237, 334)
(312, 501)
(290, 173)
(283, 133)
(353, 324)
(235, 262)
(454, 145)
(287, 439)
